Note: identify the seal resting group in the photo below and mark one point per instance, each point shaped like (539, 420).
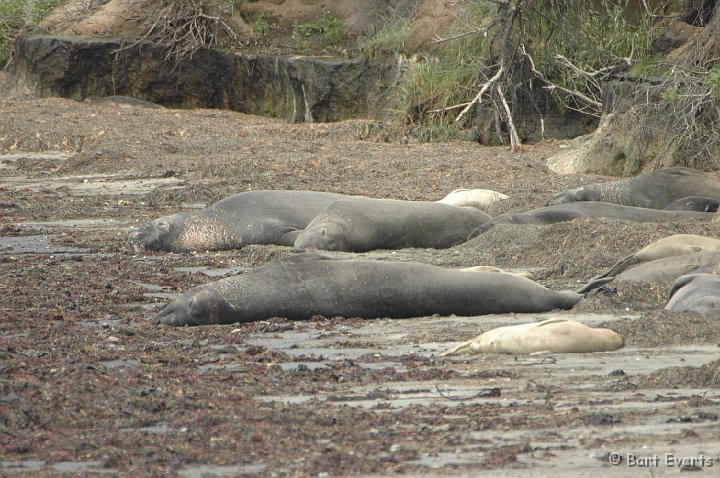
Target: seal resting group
(309, 284)
(252, 217)
(326, 221)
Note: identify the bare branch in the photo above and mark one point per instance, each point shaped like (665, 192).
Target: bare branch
(482, 30)
(514, 139)
(478, 97)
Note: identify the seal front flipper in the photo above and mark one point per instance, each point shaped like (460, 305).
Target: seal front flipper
(479, 230)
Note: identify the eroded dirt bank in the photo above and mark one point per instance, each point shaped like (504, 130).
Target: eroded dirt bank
(89, 385)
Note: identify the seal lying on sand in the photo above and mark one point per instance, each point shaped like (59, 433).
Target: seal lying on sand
(304, 285)
(675, 245)
(654, 190)
(527, 275)
(477, 198)
(665, 269)
(574, 210)
(253, 217)
(121, 102)
(363, 224)
(694, 203)
(555, 335)
(696, 293)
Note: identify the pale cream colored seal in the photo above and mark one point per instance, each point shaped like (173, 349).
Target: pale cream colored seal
(675, 245)
(477, 198)
(556, 335)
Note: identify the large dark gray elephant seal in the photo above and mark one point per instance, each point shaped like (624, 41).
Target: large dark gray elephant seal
(665, 269)
(304, 285)
(573, 210)
(696, 293)
(253, 217)
(364, 224)
(655, 190)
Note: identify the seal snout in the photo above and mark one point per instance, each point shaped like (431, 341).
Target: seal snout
(199, 305)
(320, 237)
(155, 235)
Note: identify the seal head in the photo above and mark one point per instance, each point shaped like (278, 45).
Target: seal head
(199, 305)
(158, 235)
(325, 236)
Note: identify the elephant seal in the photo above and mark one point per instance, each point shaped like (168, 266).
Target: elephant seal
(694, 203)
(527, 275)
(477, 198)
(696, 293)
(555, 335)
(303, 285)
(655, 190)
(364, 224)
(573, 210)
(675, 245)
(665, 269)
(120, 101)
(253, 217)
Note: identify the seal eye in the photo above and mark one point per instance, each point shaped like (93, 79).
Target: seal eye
(322, 231)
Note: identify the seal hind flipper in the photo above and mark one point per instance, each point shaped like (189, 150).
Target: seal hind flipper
(554, 320)
(463, 347)
(594, 284)
(619, 267)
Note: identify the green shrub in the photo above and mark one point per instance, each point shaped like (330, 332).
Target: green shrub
(260, 26)
(590, 35)
(451, 79)
(329, 28)
(14, 16)
(390, 38)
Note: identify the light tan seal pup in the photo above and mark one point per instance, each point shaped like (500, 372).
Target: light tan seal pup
(675, 245)
(665, 269)
(556, 335)
(477, 198)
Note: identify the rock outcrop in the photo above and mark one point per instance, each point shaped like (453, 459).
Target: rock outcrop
(290, 87)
